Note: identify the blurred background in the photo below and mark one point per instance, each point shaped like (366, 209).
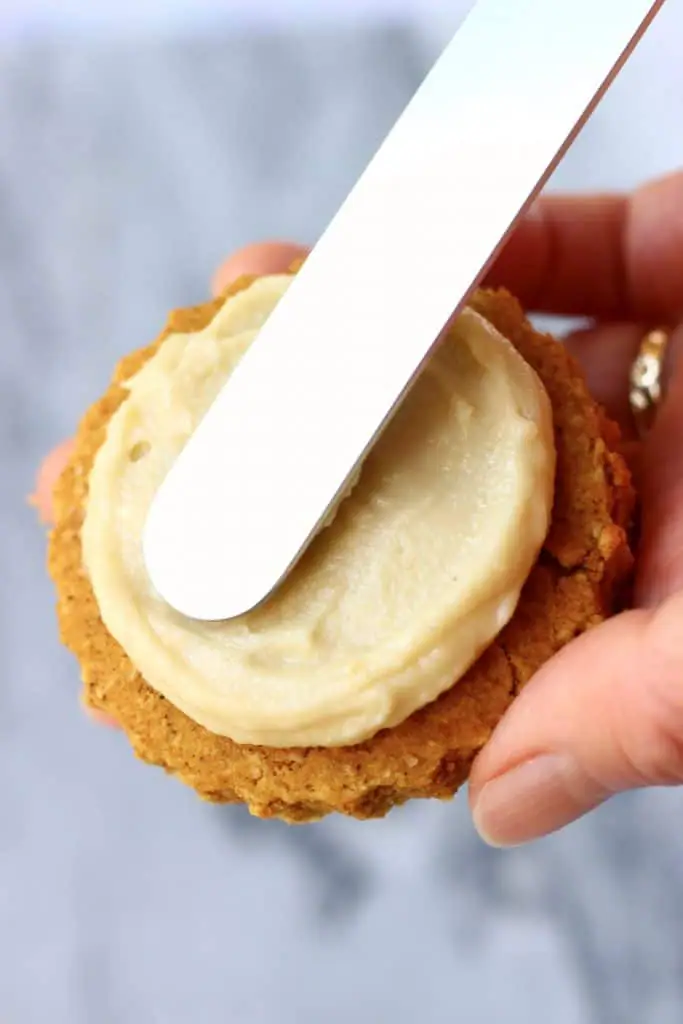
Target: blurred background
(141, 141)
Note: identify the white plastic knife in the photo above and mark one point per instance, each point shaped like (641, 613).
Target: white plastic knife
(277, 449)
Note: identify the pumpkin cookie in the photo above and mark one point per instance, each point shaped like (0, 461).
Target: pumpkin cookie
(390, 726)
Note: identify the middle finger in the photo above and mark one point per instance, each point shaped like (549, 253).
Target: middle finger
(605, 354)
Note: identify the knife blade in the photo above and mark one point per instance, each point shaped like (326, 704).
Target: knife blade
(276, 451)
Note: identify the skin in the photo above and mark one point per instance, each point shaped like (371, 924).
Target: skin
(606, 714)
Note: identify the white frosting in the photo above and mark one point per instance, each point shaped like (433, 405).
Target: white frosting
(419, 571)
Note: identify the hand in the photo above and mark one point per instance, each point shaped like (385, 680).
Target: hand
(606, 714)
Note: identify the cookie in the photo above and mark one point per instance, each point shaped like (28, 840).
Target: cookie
(578, 581)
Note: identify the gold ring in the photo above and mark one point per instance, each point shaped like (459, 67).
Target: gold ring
(646, 379)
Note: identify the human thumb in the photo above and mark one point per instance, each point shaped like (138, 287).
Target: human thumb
(605, 714)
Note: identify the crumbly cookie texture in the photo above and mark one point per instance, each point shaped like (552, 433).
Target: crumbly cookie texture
(577, 582)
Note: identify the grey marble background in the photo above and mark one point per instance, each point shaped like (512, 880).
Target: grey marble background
(127, 170)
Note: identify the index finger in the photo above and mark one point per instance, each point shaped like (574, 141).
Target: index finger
(258, 259)
(611, 257)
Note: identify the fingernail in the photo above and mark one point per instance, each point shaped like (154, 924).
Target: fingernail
(532, 799)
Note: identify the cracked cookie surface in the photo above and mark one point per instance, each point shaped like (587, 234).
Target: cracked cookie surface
(576, 583)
